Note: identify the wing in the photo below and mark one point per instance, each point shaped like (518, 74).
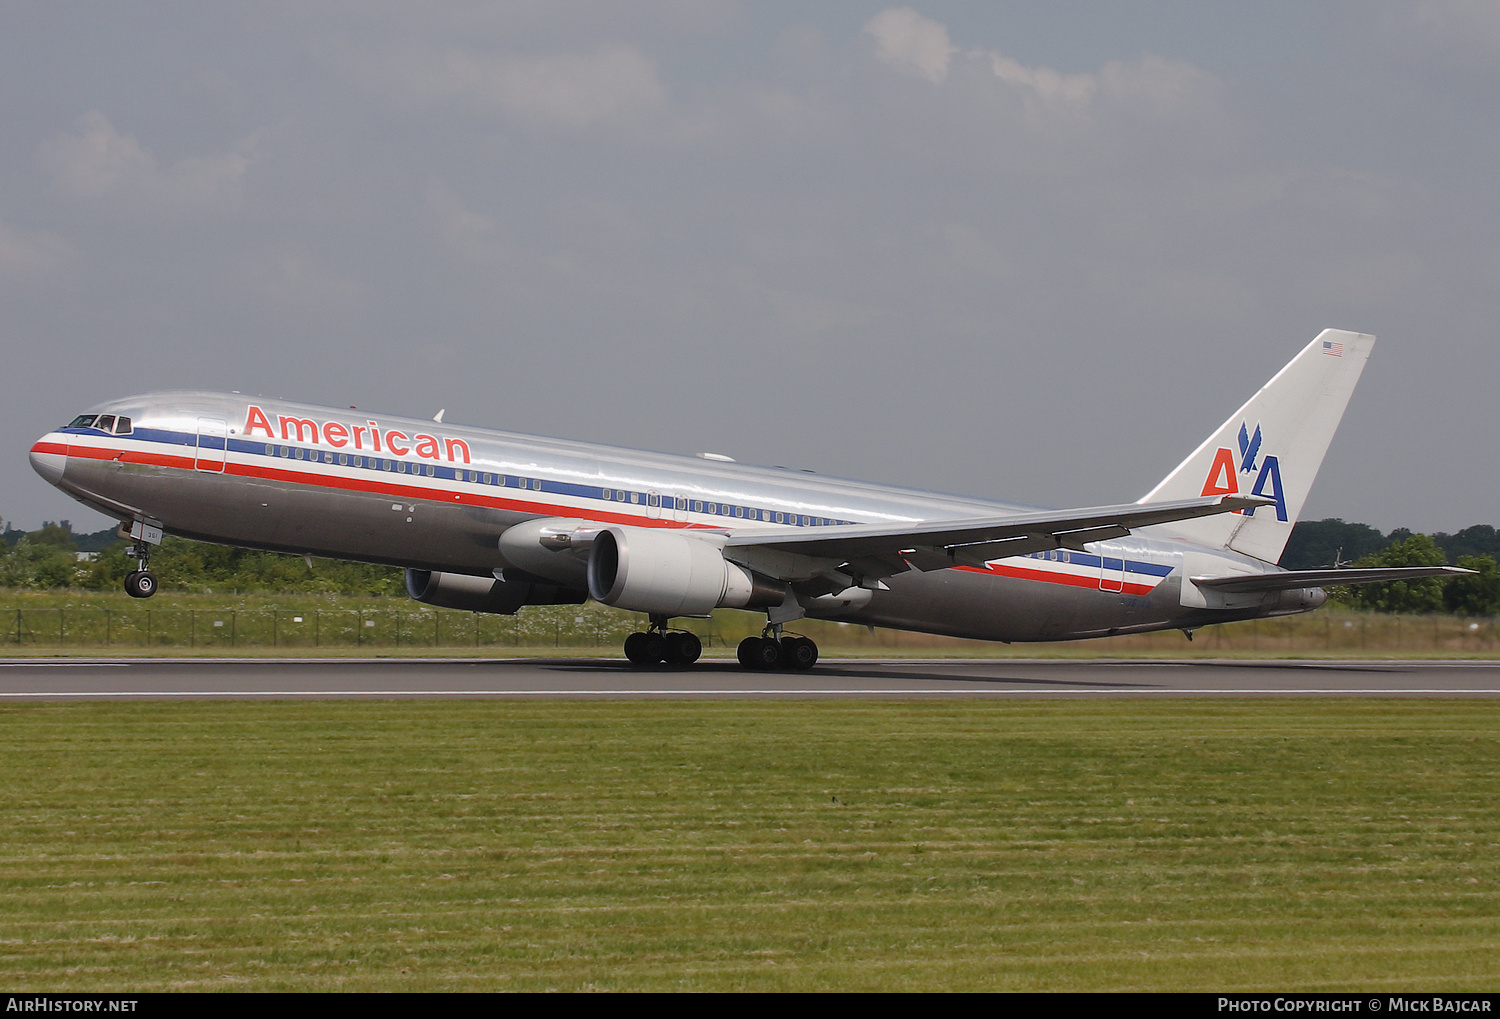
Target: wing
(864, 553)
(1290, 580)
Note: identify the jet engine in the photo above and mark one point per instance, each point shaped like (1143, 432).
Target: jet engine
(670, 573)
(485, 594)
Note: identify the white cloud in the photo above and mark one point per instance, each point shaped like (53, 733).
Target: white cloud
(568, 90)
(920, 47)
(27, 256)
(1043, 82)
(99, 164)
(911, 43)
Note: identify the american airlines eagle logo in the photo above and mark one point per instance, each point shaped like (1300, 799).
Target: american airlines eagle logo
(1225, 470)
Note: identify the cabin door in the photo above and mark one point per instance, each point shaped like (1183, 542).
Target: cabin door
(213, 436)
(1111, 574)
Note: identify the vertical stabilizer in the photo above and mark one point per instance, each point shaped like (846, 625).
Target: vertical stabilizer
(1272, 446)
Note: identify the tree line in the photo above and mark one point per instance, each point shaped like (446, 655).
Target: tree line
(49, 558)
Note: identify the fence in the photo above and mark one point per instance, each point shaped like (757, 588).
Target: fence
(417, 628)
(213, 629)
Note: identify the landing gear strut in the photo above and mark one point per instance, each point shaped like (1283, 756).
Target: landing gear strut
(773, 651)
(141, 583)
(658, 644)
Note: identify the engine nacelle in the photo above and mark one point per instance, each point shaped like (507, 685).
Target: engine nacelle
(485, 594)
(672, 574)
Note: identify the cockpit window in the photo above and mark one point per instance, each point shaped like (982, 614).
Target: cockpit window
(122, 426)
(106, 423)
(83, 421)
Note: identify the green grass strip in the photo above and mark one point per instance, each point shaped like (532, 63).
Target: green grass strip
(1308, 845)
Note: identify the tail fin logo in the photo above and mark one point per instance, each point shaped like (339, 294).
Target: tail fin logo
(1248, 448)
(1224, 471)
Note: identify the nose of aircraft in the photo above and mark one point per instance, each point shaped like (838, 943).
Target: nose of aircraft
(49, 460)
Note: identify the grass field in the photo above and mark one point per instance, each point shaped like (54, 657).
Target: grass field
(717, 846)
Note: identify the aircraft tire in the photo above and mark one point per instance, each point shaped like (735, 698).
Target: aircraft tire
(746, 652)
(140, 583)
(767, 654)
(683, 648)
(798, 653)
(635, 649)
(653, 649)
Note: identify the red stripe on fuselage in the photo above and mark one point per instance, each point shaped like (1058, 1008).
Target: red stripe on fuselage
(1048, 577)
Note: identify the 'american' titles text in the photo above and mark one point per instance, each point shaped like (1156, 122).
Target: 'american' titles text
(368, 436)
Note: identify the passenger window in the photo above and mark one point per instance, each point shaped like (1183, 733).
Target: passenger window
(430, 471)
(343, 459)
(635, 497)
(739, 511)
(270, 450)
(300, 453)
(536, 484)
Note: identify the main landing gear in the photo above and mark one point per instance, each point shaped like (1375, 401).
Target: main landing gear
(679, 647)
(141, 583)
(773, 651)
(658, 644)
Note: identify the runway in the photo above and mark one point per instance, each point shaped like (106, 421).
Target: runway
(75, 680)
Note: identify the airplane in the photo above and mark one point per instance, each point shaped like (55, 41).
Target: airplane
(491, 521)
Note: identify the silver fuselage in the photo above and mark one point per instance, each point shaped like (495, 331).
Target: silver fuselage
(430, 496)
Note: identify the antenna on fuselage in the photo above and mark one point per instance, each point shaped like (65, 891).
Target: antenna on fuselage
(438, 417)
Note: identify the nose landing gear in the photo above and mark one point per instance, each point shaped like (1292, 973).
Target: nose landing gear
(141, 583)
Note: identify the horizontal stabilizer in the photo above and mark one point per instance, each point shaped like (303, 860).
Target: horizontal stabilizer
(1291, 580)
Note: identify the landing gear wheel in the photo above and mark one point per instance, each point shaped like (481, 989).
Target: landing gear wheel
(654, 648)
(798, 653)
(747, 651)
(683, 648)
(766, 654)
(140, 583)
(635, 648)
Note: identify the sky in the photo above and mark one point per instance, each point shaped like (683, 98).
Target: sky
(1030, 251)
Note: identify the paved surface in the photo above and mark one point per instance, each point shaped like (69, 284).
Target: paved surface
(538, 678)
